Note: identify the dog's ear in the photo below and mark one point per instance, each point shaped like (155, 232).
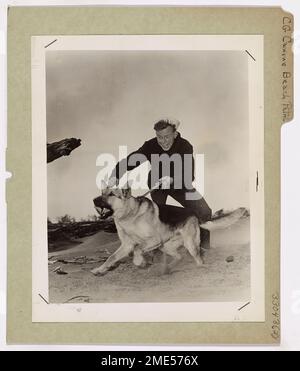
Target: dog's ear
(128, 184)
(103, 185)
(126, 191)
(113, 182)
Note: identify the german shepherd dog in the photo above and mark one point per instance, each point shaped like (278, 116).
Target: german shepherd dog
(144, 226)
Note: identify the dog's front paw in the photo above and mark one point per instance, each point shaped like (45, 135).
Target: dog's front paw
(99, 271)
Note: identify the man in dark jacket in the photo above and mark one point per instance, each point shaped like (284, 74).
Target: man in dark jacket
(169, 155)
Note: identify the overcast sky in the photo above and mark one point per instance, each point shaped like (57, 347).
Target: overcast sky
(109, 99)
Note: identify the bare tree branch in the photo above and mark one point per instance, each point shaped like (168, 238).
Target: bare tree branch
(62, 148)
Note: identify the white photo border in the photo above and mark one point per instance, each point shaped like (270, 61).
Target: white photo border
(148, 312)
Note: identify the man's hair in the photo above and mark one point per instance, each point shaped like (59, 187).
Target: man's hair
(163, 124)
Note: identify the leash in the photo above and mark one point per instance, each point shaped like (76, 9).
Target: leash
(165, 181)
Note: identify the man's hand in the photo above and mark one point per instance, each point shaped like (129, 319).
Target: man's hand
(165, 182)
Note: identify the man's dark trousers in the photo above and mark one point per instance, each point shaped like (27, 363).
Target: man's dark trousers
(199, 206)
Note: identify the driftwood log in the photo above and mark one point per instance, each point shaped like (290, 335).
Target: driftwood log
(62, 148)
(69, 233)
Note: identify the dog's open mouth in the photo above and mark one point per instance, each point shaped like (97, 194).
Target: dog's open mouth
(104, 212)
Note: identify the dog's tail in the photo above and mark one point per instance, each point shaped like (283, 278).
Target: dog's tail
(225, 220)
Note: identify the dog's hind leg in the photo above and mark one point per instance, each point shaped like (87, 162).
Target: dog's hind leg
(123, 251)
(171, 248)
(191, 241)
(193, 249)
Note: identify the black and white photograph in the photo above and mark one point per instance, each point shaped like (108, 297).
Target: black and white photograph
(148, 176)
(149, 193)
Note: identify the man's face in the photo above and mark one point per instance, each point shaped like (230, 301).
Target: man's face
(166, 137)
